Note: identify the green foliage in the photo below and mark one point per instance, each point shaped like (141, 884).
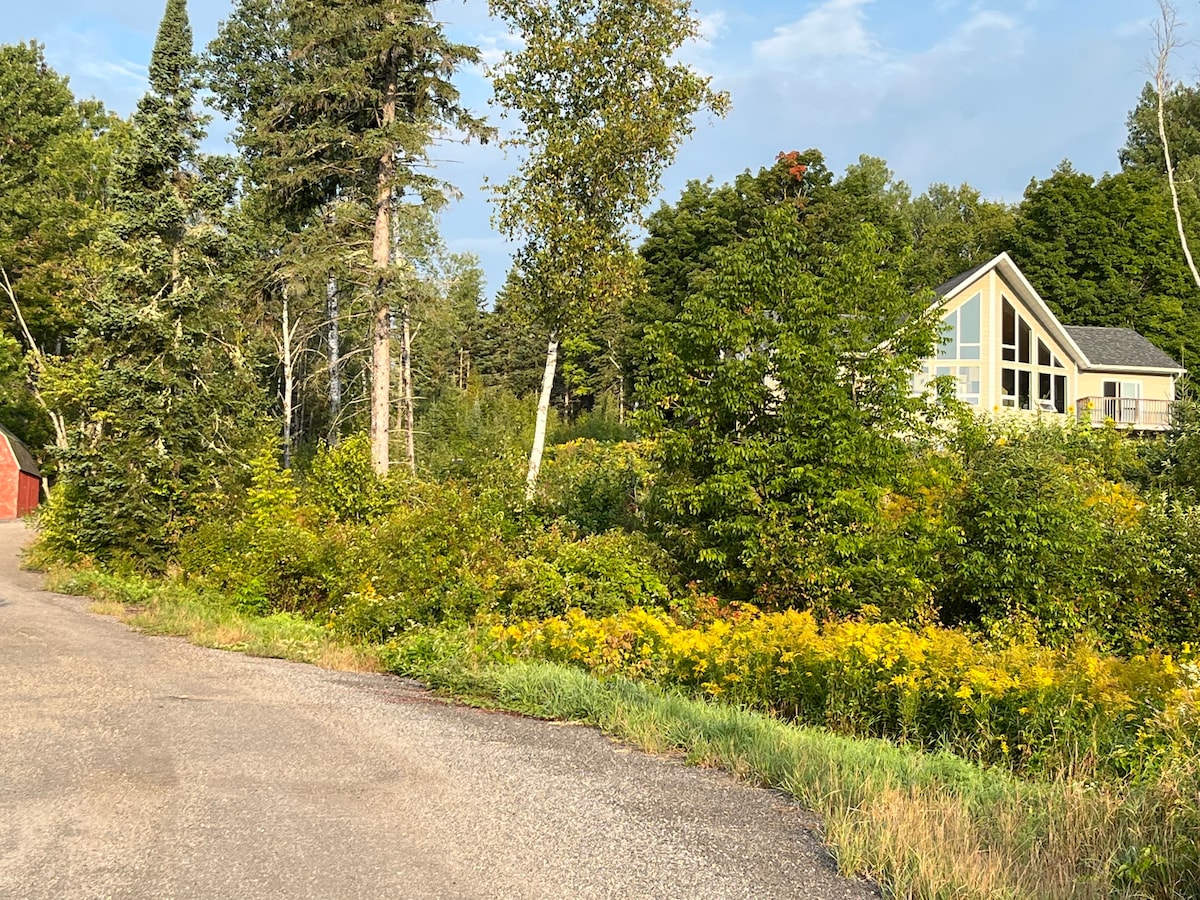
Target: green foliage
(465, 434)
(595, 486)
(1173, 460)
(342, 485)
(596, 89)
(782, 405)
(1106, 253)
(160, 403)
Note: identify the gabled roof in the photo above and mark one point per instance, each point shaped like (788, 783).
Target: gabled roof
(1091, 347)
(21, 453)
(1120, 348)
(1032, 300)
(946, 288)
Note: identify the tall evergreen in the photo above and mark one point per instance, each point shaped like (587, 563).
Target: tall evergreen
(158, 395)
(339, 105)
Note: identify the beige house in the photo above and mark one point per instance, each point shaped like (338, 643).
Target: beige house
(1008, 351)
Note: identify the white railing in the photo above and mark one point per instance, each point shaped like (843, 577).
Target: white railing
(1126, 412)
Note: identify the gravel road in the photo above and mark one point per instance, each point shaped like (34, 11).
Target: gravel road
(136, 766)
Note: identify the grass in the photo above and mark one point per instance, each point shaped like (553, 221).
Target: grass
(924, 825)
(206, 619)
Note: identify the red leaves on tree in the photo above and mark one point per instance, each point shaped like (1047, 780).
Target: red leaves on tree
(797, 168)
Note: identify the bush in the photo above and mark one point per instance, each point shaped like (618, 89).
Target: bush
(594, 486)
(1042, 518)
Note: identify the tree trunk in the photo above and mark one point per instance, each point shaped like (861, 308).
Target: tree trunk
(406, 380)
(543, 413)
(289, 375)
(39, 364)
(1165, 32)
(381, 244)
(332, 313)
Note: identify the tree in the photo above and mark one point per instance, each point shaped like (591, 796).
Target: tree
(602, 108)
(953, 230)
(1100, 253)
(158, 396)
(55, 155)
(342, 103)
(782, 407)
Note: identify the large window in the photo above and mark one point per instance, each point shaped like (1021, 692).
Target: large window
(960, 331)
(961, 343)
(1031, 374)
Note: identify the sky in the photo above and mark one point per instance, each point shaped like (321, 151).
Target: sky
(988, 92)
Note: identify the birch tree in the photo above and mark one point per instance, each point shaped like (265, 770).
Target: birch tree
(600, 106)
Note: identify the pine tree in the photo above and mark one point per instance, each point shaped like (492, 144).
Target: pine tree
(160, 398)
(340, 103)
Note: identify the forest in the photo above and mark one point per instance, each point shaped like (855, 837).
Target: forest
(680, 452)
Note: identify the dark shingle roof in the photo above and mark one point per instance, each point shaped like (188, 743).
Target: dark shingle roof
(1118, 347)
(947, 287)
(24, 458)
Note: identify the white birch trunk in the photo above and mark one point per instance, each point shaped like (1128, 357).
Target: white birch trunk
(289, 378)
(333, 347)
(407, 389)
(543, 414)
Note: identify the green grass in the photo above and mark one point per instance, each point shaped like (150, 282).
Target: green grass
(206, 619)
(924, 825)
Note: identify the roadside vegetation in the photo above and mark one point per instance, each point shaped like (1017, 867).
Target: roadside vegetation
(684, 492)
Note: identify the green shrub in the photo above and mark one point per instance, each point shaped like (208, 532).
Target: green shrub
(599, 574)
(342, 485)
(594, 486)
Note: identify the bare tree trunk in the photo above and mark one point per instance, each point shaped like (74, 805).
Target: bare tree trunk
(543, 413)
(1164, 31)
(39, 362)
(381, 343)
(406, 381)
(289, 377)
(333, 315)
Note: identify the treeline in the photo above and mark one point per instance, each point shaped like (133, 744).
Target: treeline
(173, 315)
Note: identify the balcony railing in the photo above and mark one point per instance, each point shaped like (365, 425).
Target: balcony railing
(1126, 412)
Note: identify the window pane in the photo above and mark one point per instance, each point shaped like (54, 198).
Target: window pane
(1043, 353)
(1010, 324)
(1060, 393)
(1024, 341)
(967, 351)
(968, 321)
(1024, 395)
(1008, 382)
(949, 346)
(1044, 386)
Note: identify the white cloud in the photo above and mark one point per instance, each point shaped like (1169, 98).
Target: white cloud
(836, 28)
(711, 27)
(493, 47)
(977, 32)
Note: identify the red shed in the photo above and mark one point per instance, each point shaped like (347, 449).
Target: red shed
(20, 478)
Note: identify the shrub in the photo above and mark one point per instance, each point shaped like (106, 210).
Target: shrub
(594, 486)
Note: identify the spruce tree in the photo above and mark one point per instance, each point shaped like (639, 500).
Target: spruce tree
(339, 104)
(160, 400)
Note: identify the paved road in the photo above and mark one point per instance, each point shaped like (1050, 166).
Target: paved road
(136, 766)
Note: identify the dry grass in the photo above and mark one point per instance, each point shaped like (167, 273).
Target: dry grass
(928, 826)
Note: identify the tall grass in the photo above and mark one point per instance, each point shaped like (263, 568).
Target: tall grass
(923, 824)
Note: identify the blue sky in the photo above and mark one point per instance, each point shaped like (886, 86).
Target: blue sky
(990, 93)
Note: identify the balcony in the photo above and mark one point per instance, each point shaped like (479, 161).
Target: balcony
(1125, 412)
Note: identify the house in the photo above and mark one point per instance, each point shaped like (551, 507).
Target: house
(20, 479)
(1008, 351)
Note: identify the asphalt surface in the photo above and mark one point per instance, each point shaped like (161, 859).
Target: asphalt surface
(144, 767)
